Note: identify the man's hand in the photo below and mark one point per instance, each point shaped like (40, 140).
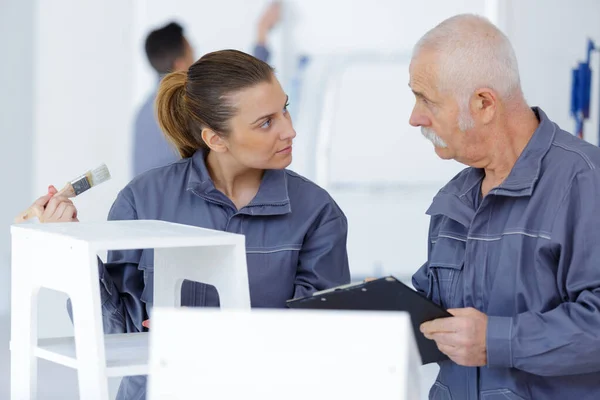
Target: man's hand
(268, 20)
(461, 337)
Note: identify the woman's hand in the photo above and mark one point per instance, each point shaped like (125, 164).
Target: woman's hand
(51, 208)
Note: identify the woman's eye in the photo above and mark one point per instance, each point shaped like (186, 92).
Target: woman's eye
(267, 124)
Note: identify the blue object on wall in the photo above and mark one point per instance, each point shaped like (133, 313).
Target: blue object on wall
(581, 91)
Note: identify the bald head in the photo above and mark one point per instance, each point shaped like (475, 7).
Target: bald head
(468, 53)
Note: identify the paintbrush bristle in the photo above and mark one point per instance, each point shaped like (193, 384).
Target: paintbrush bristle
(99, 175)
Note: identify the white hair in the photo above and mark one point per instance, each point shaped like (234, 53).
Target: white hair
(473, 53)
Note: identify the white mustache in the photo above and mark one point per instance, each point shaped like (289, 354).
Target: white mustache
(433, 137)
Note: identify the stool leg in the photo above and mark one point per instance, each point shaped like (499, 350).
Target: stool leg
(89, 346)
(88, 327)
(167, 280)
(23, 363)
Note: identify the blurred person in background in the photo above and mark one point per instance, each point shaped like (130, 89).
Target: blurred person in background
(168, 50)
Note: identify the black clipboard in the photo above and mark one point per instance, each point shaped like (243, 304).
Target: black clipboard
(384, 294)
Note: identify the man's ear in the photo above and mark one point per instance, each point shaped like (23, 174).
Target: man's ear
(483, 105)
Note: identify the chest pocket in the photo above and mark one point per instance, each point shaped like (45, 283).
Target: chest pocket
(445, 271)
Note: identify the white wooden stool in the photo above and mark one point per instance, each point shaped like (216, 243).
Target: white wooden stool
(63, 257)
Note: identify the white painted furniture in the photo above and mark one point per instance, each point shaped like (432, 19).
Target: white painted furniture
(63, 257)
(282, 354)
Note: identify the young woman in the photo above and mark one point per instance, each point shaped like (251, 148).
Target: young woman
(227, 116)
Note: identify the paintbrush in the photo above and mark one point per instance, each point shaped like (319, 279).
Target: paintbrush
(73, 188)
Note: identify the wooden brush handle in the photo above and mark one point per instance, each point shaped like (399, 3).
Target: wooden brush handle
(66, 191)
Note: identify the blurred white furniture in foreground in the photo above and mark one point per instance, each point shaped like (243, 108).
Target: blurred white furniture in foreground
(282, 354)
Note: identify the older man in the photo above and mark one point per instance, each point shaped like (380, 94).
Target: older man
(514, 240)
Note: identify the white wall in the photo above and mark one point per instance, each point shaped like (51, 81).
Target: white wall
(383, 173)
(549, 38)
(367, 25)
(16, 139)
(83, 96)
(16, 71)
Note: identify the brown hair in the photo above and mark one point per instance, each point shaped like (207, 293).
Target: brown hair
(188, 102)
